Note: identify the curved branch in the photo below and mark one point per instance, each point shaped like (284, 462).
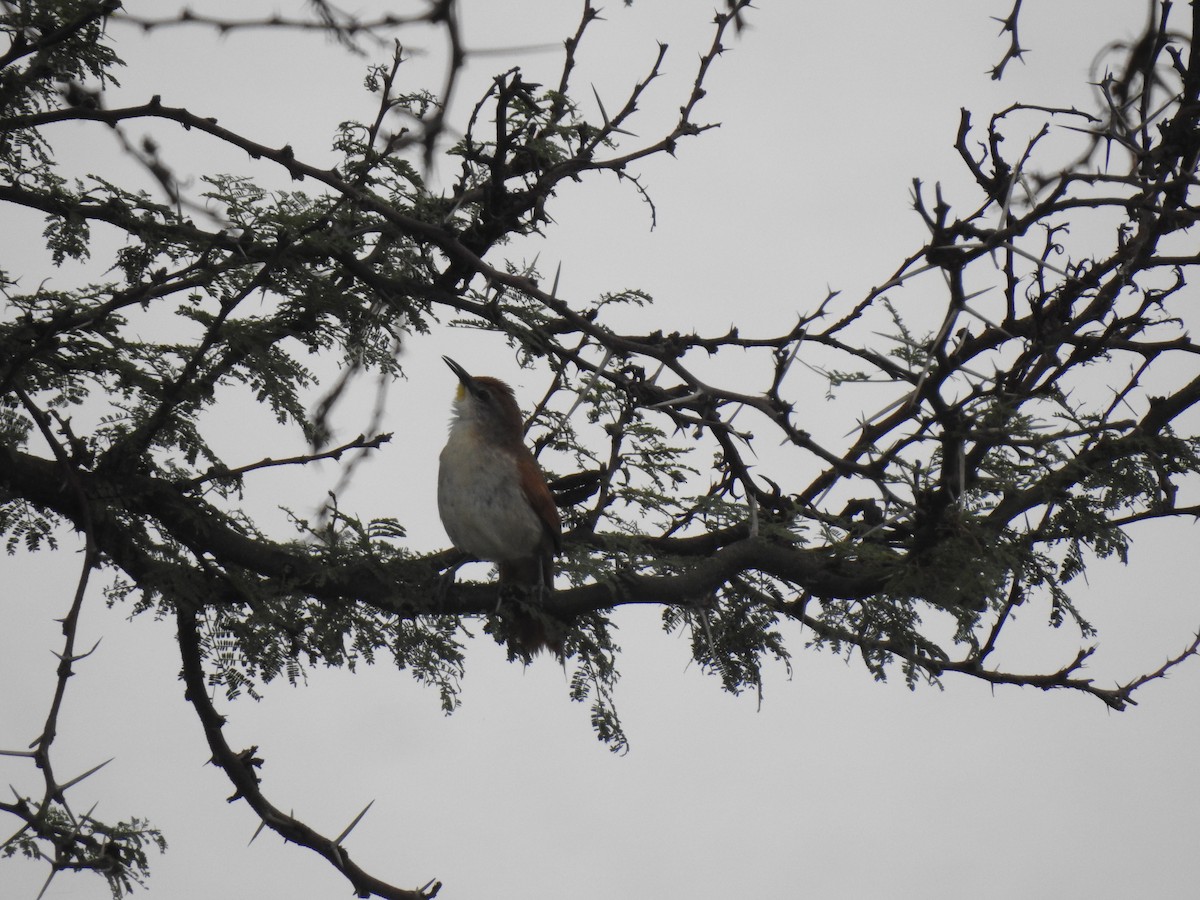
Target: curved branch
(240, 768)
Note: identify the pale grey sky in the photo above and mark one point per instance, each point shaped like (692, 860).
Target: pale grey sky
(838, 787)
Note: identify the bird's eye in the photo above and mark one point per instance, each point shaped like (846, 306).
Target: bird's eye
(483, 394)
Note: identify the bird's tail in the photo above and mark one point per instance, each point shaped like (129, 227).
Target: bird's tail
(532, 631)
(531, 628)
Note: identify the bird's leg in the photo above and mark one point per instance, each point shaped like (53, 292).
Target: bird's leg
(510, 591)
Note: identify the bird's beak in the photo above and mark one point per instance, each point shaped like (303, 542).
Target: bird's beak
(463, 375)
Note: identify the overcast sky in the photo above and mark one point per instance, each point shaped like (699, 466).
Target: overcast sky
(838, 786)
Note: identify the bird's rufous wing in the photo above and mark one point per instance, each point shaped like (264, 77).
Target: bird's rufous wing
(533, 484)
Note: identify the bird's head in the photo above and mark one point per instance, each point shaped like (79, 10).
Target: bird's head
(487, 404)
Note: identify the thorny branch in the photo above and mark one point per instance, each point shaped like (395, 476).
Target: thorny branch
(242, 769)
(79, 841)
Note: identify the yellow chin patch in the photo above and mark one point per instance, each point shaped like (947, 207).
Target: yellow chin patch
(460, 391)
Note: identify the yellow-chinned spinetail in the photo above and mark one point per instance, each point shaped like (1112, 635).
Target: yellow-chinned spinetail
(493, 498)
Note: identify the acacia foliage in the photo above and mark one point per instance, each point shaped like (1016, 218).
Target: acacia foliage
(1018, 441)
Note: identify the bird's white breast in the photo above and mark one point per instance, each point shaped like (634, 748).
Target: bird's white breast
(482, 505)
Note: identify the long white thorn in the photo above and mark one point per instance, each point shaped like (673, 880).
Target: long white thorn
(341, 837)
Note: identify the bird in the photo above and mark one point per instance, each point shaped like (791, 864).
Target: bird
(494, 501)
